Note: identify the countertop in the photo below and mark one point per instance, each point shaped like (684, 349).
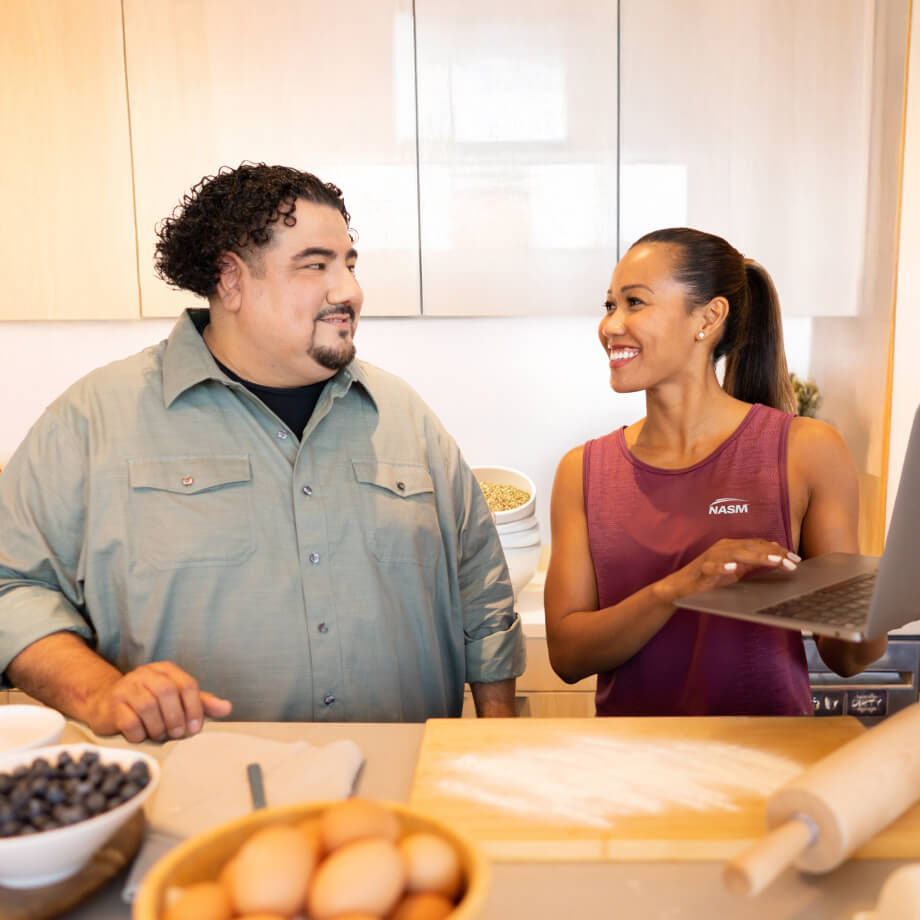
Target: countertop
(542, 891)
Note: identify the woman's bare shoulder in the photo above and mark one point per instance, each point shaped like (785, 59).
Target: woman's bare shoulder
(818, 448)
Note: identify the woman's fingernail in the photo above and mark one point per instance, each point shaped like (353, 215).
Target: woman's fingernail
(794, 557)
(789, 564)
(730, 566)
(775, 558)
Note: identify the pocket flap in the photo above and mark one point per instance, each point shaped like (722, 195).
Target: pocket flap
(399, 478)
(188, 475)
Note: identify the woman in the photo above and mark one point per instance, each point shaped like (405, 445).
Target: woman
(715, 481)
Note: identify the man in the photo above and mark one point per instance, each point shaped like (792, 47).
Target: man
(245, 511)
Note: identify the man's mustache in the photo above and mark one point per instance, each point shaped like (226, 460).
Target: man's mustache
(335, 311)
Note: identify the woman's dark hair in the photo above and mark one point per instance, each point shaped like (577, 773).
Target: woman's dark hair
(752, 337)
(234, 211)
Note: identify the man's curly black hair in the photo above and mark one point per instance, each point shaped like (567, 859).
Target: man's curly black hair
(233, 211)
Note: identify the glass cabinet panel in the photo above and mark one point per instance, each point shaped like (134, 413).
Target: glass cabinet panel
(517, 122)
(328, 88)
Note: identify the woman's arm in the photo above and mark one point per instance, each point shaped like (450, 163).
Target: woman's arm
(822, 471)
(584, 640)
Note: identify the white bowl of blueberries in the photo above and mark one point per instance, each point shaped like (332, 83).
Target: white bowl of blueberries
(59, 804)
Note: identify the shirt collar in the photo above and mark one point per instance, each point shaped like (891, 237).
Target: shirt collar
(187, 362)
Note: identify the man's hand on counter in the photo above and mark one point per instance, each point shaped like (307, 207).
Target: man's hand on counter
(158, 700)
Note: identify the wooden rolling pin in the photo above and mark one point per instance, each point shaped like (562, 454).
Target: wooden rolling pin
(818, 819)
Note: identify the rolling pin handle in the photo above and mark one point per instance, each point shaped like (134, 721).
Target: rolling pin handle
(751, 871)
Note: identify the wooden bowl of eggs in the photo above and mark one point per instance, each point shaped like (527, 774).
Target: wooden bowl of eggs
(355, 859)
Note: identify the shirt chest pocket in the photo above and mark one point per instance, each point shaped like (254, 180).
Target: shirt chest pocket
(397, 502)
(190, 511)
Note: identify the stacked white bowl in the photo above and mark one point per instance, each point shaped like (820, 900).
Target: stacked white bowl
(518, 528)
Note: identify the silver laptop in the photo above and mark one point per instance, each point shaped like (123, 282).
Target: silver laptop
(839, 594)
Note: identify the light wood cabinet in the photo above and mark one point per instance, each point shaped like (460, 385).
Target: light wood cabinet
(517, 115)
(327, 88)
(67, 247)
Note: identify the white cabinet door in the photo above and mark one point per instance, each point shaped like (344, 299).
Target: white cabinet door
(323, 87)
(753, 120)
(517, 120)
(67, 237)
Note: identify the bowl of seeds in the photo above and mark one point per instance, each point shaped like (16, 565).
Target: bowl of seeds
(510, 494)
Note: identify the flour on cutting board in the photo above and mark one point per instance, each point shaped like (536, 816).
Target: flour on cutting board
(595, 780)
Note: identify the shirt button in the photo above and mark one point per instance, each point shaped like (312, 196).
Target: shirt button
(187, 480)
(401, 486)
(282, 435)
(307, 491)
(323, 628)
(314, 558)
(328, 699)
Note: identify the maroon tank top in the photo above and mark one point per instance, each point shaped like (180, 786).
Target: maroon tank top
(644, 523)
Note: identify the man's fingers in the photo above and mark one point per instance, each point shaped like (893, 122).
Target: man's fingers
(129, 723)
(214, 706)
(187, 716)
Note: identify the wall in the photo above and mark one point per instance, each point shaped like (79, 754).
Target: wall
(906, 373)
(513, 391)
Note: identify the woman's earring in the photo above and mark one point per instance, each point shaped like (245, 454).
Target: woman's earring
(700, 335)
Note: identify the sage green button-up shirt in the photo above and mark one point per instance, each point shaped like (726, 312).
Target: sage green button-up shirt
(160, 510)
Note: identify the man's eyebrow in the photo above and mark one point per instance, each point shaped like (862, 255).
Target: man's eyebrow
(313, 251)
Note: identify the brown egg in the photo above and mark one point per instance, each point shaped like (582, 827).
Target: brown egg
(355, 819)
(202, 901)
(310, 828)
(262, 916)
(225, 874)
(358, 916)
(366, 876)
(423, 906)
(431, 864)
(271, 872)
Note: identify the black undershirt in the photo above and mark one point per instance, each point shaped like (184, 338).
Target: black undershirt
(293, 405)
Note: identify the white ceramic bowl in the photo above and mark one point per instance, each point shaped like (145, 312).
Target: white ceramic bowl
(527, 523)
(24, 727)
(522, 564)
(505, 476)
(49, 856)
(521, 538)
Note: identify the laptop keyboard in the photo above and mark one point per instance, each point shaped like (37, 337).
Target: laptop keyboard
(843, 604)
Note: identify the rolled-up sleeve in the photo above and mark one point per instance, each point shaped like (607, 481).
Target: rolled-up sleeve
(494, 640)
(41, 538)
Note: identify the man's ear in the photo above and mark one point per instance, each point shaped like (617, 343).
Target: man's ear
(230, 280)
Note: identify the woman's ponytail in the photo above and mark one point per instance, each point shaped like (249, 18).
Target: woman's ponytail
(755, 363)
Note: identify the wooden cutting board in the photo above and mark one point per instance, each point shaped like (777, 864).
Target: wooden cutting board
(627, 788)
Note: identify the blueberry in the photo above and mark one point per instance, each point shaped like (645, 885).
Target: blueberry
(139, 773)
(40, 767)
(110, 785)
(39, 785)
(95, 803)
(35, 808)
(69, 814)
(6, 783)
(7, 812)
(128, 791)
(10, 828)
(56, 794)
